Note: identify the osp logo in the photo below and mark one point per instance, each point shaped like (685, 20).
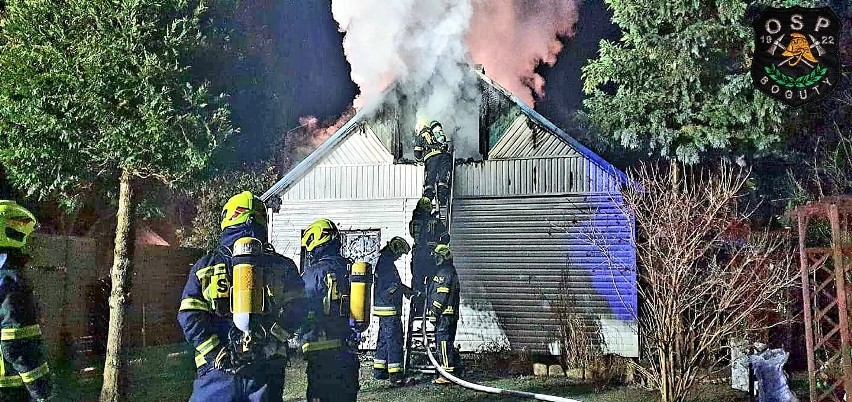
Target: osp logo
(796, 54)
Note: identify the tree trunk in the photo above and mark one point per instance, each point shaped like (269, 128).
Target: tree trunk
(668, 392)
(121, 271)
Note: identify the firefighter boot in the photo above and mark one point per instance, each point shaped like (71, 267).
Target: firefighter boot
(443, 193)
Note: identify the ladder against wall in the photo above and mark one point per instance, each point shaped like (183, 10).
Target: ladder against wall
(825, 271)
(415, 359)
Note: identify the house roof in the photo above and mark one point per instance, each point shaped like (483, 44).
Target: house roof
(341, 134)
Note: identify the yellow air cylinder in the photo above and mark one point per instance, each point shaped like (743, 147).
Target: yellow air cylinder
(360, 279)
(248, 286)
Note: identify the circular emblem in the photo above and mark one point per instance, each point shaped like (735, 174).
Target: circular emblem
(796, 54)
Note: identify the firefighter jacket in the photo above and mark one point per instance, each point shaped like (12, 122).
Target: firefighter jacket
(22, 363)
(326, 276)
(427, 146)
(388, 288)
(443, 291)
(205, 308)
(427, 229)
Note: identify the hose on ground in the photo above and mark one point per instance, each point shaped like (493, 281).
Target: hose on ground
(478, 387)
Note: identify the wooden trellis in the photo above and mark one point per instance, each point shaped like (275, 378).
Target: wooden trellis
(824, 291)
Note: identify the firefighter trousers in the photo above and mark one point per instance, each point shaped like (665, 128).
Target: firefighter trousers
(213, 385)
(445, 338)
(332, 375)
(388, 356)
(438, 174)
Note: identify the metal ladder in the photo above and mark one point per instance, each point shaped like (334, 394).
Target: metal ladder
(416, 358)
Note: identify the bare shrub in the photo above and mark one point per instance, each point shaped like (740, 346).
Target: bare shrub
(580, 339)
(699, 287)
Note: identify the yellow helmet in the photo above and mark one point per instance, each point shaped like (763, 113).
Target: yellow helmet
(16, 225)
(424, 204)
(398, 245)
(442, 253)
(241, 207)
(318, 233)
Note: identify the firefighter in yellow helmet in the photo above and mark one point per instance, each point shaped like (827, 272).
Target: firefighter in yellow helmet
(23, 367)
(387, 305)
(431, 146)
(443, 304)
(231, 366)
(428, 230)
(328, 336)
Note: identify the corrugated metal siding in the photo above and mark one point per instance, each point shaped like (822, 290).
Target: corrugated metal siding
(358, 182)
(479, 324)
(531, 176)
(362, 147)
(511, 252)
(524, 139)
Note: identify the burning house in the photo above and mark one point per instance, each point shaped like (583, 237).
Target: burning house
(534, 215)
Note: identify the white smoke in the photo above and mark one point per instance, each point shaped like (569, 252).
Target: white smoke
(427, 49)
(419, 45)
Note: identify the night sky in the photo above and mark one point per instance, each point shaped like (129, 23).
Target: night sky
(291, 64)
(304, 68)
(284, 59)
(563, 91)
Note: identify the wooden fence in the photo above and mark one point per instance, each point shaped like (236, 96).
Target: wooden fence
(70, 278)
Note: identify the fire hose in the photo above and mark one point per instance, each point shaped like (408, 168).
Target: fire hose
(478, 387)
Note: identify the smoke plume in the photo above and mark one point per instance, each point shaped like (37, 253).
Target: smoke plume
(426, 49)
(511, 38)
(310, 134)
(420, 47)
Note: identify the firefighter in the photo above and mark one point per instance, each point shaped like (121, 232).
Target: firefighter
(387, 305)
(329, 336)
(231, 366)
(432, 148)
(427, 229)
(23, 367)
(443, 304)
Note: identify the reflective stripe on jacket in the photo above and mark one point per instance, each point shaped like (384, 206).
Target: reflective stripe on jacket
(443, 291)
(23, 363)
(387, 291)
(204, 313)
(326, 277)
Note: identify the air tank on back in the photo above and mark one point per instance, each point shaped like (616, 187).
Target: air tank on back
(248, 285)
(361, 279)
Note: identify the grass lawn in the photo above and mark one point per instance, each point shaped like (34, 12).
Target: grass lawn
(165, 374)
